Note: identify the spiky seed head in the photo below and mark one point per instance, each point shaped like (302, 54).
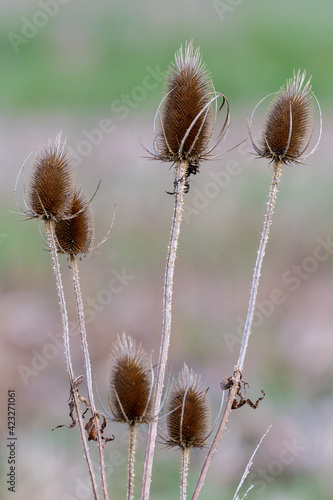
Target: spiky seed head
(74, 232)
(287, 130)
(188, 412)
(187, 116)
(52, 181)
(130, 382)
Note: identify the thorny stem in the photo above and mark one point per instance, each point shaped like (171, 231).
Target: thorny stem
(247, 329)
(185, 463)
(84, 343)
(180, 179)
(64, 319)
(131, 460)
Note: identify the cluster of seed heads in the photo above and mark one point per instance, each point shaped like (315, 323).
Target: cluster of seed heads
(54, 197)
(183, 129)
(130, 391)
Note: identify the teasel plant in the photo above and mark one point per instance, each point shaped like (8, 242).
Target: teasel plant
(130, 394)
(285, 140)
(53, 198)
(187, 419)
(183, 130)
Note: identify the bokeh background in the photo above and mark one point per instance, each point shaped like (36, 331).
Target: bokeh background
(78, 66)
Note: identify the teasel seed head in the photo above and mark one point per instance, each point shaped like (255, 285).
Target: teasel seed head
(52, 181)
(287, 131)
(187, 113)
(130, 383)
(74, 232)
(188, 412)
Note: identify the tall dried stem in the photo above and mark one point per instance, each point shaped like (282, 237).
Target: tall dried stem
(185, 464)
(277, 170)
(285, 138)
(64, 318)
(84, 343)
(131, 460)
(180, 181)
(247, 330)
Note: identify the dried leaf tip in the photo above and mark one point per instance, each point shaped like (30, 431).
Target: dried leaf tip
(52, 181)
(74, 233)
(287, 131)
(130, 382)
(188, 412)
(186, 115)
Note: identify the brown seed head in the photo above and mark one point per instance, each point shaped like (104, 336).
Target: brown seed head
(52, 181)
(130, 382)
(287, 130)
(74, 233)
(188, 412)
(187, 115)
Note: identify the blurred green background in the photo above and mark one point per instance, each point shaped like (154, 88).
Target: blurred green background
(81, 67)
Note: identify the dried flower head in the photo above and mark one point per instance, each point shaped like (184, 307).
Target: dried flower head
(130, 382)
(287, 130)
(52, 181)
(74, 233)
(187, 113)
(188, 412)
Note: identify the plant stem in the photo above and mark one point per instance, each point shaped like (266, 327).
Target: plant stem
(87, 364)
(277, 170)
(180, 179)
(64, 318)
(185, 463)
(131, 460)
(217, 438)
